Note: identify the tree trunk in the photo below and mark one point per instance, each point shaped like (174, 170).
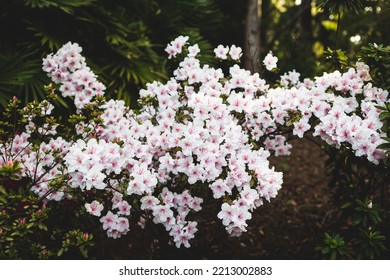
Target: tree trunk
(252, 36)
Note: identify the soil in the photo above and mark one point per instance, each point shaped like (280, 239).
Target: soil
(290, 227)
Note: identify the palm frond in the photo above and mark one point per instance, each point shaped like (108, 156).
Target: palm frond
(336, 6)
(15, 69)
(21, 75)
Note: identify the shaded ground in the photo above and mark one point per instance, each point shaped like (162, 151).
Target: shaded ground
(289, 227)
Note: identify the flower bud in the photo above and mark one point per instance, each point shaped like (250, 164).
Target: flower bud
(22, 221)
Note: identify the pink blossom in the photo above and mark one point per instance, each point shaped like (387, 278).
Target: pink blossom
(221, 52)
(94, 208)
(270, 61)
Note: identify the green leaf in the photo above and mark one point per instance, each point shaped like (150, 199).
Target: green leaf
(42, 226)
(325, 250)
(83, 251)
(381, 108)
(346, 205)
(29, 225)
(384, 115)
(384, 146)
(15, 233)
(2, 190)
(60, 252)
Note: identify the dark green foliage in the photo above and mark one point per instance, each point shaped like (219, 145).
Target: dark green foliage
(361, 203)
(378, 58)
(123, 43)
(31, 227)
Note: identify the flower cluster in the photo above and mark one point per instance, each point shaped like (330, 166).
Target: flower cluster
(115, 224)
(202, 135)
(68, 68)
(331, 103)
(176, 46)
(86, 162)
(171, 210)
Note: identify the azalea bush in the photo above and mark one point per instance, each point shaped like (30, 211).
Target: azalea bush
(360, 213)
(203, 135)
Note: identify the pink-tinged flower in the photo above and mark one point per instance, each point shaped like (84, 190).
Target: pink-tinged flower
(171, 51)
(363, 71)
(221, 52)
(122, 225)
(136, 186)
(226, 214)
(109, 220)
(240, 216)
(270, 61)
(301, 127)
(235, 231)
(235, 52)
(193, 50)
(219, 188)
(192, 228)
(162, 213)
(195, 204)
(182, 239)
(149, 202)
(124, 208)
(95, 208)
(117, 198)
(249, 196)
